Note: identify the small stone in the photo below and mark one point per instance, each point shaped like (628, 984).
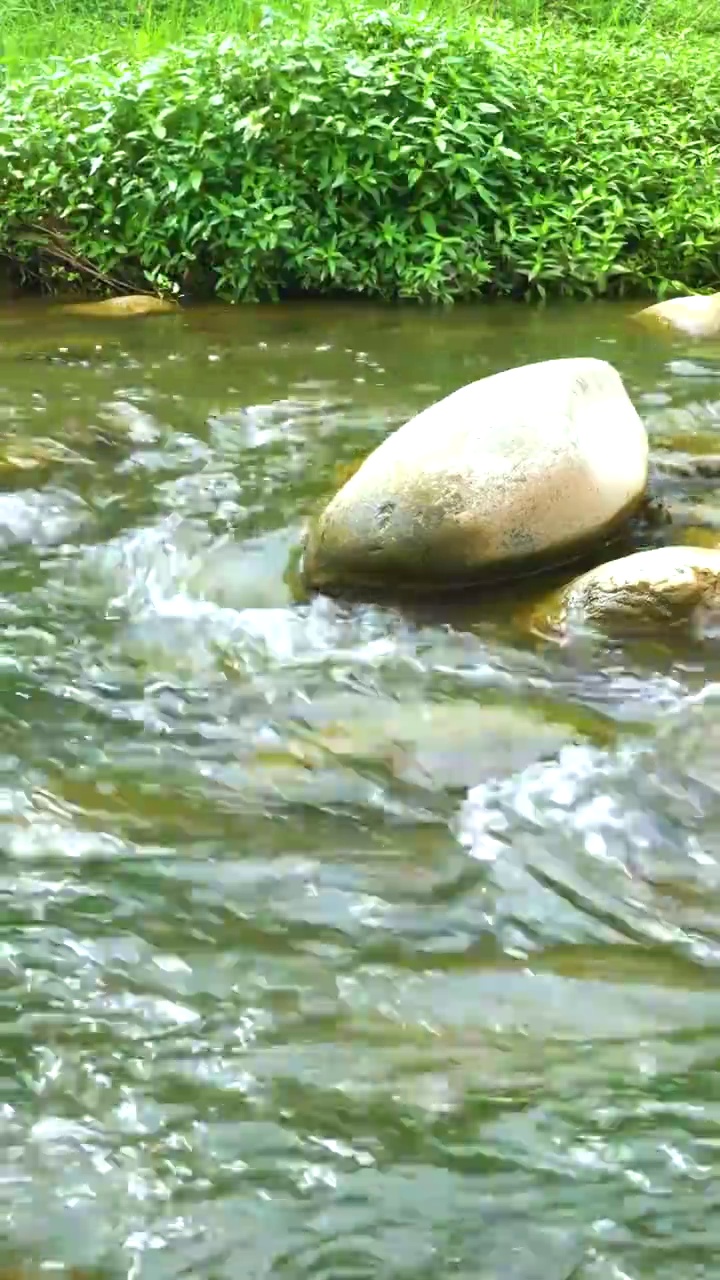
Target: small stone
(676, 586)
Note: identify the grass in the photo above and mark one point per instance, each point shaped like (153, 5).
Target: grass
(32, 31)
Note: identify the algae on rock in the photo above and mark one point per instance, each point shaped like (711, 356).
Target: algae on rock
(649, 591)
(131, 304)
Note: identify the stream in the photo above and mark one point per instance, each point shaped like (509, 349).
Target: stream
(338, 940)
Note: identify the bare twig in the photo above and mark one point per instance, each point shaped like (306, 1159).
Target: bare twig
(55, 242)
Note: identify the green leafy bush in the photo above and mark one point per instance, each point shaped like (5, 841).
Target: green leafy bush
(619, 185)
(385, 154)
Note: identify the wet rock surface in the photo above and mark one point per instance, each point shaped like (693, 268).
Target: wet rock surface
(518, 469)
(697, 315)
(672, 586)
(122, 307)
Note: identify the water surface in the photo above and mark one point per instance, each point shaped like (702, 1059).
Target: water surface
(336, 940)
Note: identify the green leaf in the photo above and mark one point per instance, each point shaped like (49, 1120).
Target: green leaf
(601, 179)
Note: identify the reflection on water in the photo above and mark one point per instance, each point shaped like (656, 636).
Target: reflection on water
(336, 940)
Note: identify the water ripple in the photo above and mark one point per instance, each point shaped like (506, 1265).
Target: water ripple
(337, 941)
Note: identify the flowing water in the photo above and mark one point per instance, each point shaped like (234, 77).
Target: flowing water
(336, 940)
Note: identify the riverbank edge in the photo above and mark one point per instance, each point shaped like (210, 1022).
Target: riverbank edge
(380, 155)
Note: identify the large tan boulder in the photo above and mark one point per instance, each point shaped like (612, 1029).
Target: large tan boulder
(648, 591)
(130, 304)
(697, 315)
(521, 468)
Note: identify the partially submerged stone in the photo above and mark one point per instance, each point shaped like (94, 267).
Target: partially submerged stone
(697, 315)
(519, 469)
(649, 591)
(131, 304)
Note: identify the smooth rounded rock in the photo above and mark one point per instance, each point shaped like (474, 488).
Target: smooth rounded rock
(131, 304)
(697, 315)
(524, 467)
(648, 591)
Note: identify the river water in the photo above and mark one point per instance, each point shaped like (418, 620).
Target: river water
(339, 941)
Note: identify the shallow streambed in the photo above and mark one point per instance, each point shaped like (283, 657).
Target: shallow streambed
(339, 941)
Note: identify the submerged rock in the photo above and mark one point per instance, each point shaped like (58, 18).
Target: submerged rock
(699, 535)
(22, 1272)
(688, 466)
(437, 745)
(131, 304)
(520, 468)
(650, 590)
(697, 315)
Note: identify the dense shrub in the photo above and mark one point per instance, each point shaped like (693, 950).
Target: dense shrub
(672, 16)
(382, 154)
(618, 186)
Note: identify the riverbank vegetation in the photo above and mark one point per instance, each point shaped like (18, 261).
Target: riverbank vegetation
(252, 153)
